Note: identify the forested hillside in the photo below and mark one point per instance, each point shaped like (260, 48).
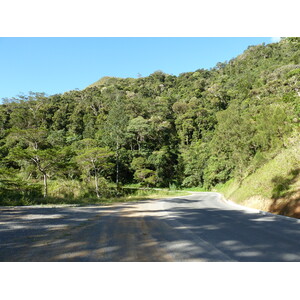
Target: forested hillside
(199, 129)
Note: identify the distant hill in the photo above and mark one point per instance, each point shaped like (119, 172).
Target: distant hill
(106, 80)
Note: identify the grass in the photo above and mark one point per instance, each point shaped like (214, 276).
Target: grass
(131, 186)
(272, 187)
(194, 189)
(55, 198)
(144, 195)
(265, 180)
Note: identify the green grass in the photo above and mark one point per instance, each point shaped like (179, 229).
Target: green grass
(132, 186)
(277, 178)
(194, 189)
(144, 195)
(58, 195)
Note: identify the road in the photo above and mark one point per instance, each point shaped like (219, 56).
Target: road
(199, 227)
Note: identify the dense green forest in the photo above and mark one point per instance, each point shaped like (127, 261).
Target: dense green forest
(199, 129)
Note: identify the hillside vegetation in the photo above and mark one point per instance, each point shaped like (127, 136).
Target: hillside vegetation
(234, 128)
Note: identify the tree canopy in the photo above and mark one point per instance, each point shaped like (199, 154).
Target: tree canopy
(200, 128)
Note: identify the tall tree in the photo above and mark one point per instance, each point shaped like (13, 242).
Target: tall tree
(44, 161)
(114, 131)
(94, 160)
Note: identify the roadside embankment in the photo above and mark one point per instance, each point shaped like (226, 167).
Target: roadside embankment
(274, 187)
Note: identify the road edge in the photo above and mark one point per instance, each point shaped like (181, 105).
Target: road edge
(255, 210)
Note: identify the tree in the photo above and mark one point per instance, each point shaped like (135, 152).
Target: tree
(36, 151)
(138, 128)
(195, 161)
(94, 160)
(44, 161)
(142, 174)
(114, 131)
(163, 161)
(35, 138)
(198, 128)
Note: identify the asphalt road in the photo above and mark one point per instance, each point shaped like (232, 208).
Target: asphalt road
(199, 227)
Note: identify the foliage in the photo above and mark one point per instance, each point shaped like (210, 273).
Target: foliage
(199, 129)
(94, 161)
(18, 192)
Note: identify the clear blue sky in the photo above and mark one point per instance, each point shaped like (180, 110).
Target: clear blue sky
(57, 65)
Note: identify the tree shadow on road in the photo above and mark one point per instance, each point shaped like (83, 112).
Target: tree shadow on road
(120, 234)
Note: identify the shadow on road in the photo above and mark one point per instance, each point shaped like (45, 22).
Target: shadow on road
(131, 233)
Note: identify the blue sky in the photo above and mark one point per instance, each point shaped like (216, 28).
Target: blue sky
(57, 65)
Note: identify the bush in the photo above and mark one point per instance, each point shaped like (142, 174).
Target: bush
(18, 192)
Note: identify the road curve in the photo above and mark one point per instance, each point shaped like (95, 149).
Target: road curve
(199, 227)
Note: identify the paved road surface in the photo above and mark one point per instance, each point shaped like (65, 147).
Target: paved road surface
(199, 227)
